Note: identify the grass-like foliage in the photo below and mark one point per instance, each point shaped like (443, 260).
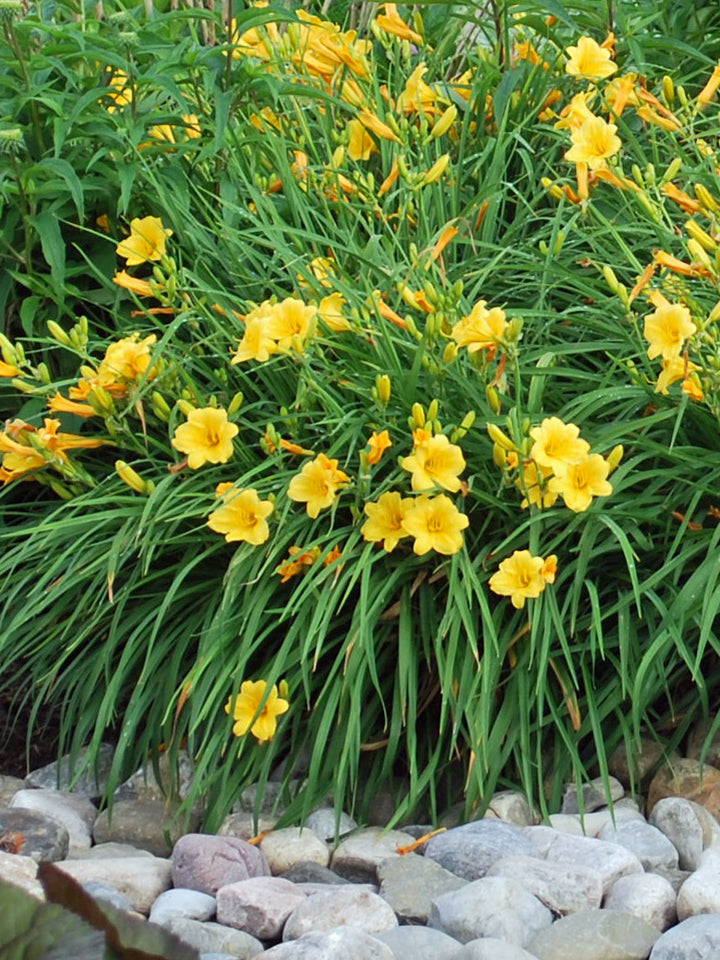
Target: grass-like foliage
(363, 391)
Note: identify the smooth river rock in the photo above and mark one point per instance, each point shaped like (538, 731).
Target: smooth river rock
(595, 935)
(469, 851)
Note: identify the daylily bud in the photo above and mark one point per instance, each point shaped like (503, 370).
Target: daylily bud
(101, 400)
(668, 89)
(160, 406)
(436, 170)
(706, 198)
(57, 333)
(43, 373)
(493, 399)
(610, 278)
(699, 254)
(499, 437)
(700, 235)
(432, 410)
(614, 457)
(235, 403)
(450, 352)
(714, 314)
(24, 387)
(132, 478)
(499, 456)
(444, 122)
(418, 415)
(673, 170)
(383, 387)
(184, 406)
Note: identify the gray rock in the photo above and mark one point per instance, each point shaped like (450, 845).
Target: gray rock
(259, 906)
(189, 904)
(140, 879)
(205, 863)
(267, 800)
(563, 887)
(143, 823)
(323, 822)
(608, 859)
(410, 883)
(214, 937)
(645, 895)
(340, 906)
(650, 845)
(75, 813)
(312, 873)
(676, 818)
(245, 825)
(420, 943)
(341, 943)
(639, 763)
(469, 851)
(33, 834)
(21, 872)
(594, 794)
(108, 894)
(697, 938)
(358, 855)
(290, 845)
(174, 781)
(490, 907)
(490, 948)
(9, 786)
(73, 777)
(709, 824)
(512, 807)
(595, 935)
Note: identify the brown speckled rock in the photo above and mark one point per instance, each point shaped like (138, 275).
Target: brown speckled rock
(687, 778)
(206, 863)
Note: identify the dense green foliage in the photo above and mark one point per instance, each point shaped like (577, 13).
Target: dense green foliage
(125, 613)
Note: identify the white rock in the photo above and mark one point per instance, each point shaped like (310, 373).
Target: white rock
(21, 872)
(259, 906)
(563, 887)
(340, 906)
(190, 904)
(644, 895)
(290, 845)
(610, 860)
(490, 907)
(140, 879)
(700, 893)
(650, 845)
(592, 823)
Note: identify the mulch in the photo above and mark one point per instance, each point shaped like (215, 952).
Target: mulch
(17, 758)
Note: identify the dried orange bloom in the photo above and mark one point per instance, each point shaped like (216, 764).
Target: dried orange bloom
(299, 560)
(686, 203)
(670, 262)
(418, 96)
